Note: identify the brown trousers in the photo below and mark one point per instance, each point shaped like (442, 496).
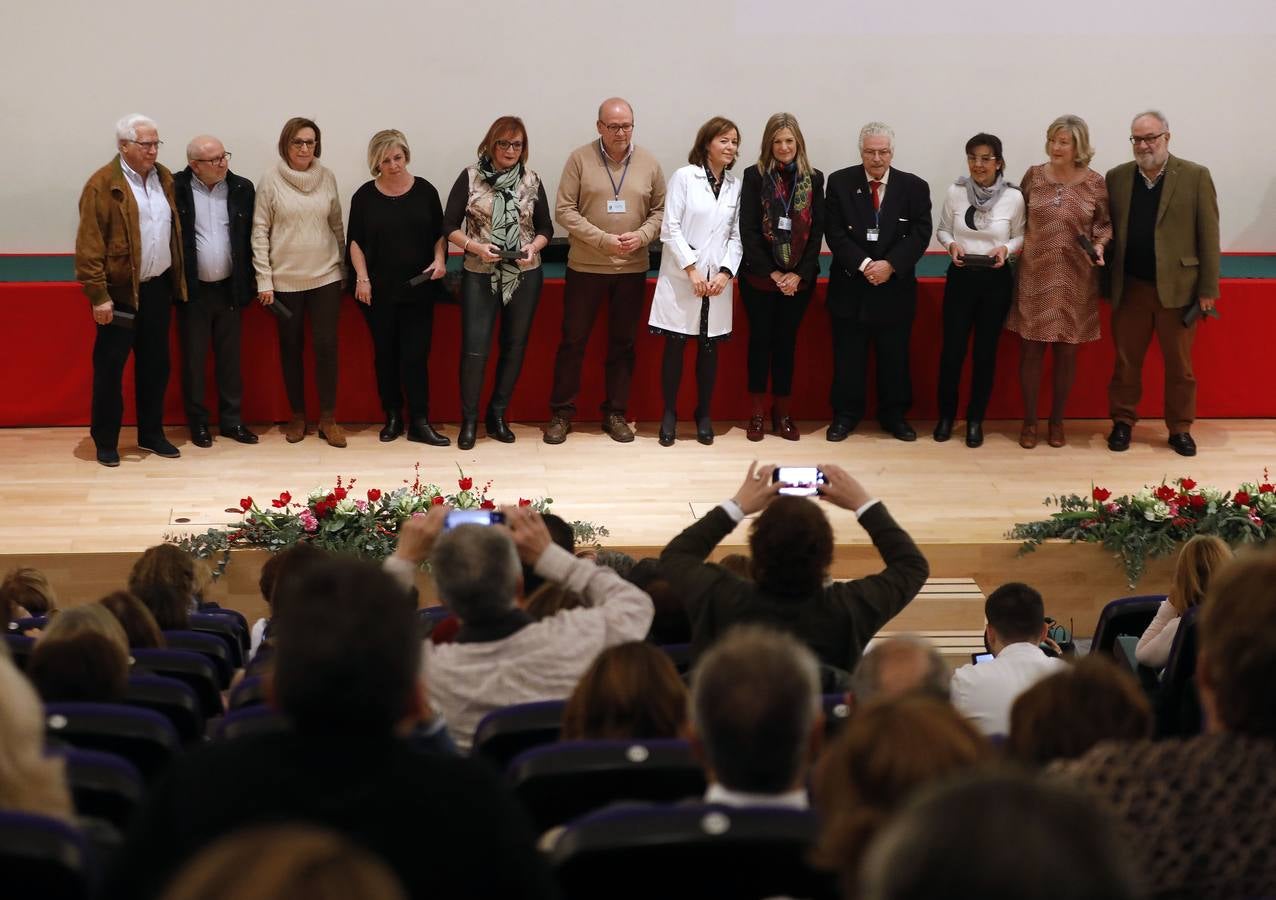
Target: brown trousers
(1133, 323)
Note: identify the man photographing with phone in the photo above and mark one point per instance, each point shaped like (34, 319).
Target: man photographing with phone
(791, 544)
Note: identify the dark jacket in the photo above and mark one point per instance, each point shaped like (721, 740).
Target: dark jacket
(836, 623)
(758, 256)
(239, 209)
(904, 224)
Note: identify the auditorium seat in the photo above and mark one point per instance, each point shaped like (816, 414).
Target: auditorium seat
(42, 857)
(836, 712)
(173, 699)
(195, 669)
(208, 645)
(19, 648)
(143, 737)
(241, 623)
(680, 654)
(1178, 705)
(103, 785)
(1127, 615)
(559, 782)
(690, 850)
(249, 692)
(504, 733)
(249, 720)
(26, 623)
(225, 628)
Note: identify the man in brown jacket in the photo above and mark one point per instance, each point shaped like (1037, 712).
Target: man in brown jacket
(128, 260)
(1163, 265)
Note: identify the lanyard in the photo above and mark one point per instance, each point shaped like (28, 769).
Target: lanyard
(788, 202)
(615, 188)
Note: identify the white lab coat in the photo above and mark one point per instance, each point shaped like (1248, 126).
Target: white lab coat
(697, 229)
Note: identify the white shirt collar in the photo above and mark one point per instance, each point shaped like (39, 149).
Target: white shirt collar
(134, 176)
(886, 176)
(795, 799)
(1021, 649)
(607, 156)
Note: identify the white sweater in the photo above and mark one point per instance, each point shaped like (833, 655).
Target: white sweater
(1004, 225)
(298, 238)
(1158, 639)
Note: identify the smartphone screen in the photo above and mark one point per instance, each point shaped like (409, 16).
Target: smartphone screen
(473, 517)
(800, 481)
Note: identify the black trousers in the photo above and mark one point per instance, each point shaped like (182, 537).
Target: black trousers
(583, 295)
(773, 328)
(851, 339)
(148, 342)
(324, 306)
(210, 316)
(401, 335)
(975, 300)
(480, 308)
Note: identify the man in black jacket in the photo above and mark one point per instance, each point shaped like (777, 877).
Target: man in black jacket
(877, 224)
(791, 544)
(215, 207)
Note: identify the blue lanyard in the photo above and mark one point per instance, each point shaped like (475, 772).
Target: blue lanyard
(775, 182)
(615, 188)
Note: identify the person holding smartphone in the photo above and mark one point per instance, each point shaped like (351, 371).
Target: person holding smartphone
(395, 239)
(498, 214)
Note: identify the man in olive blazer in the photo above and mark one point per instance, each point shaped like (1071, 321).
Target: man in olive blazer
(1163, 260)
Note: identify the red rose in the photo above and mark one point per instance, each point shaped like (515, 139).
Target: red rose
(339, 493)
(1187, 483)
(285, 498)
(438, 501)
(246, 504)
(321, 509)
(278, 504)
(1266, 489)
(1179, 522)
(1101, 494)
(1166, 493)
(522, 502)
(373, 495)
(1240, 498)
(465, 483)
(1196, 501)
(487, 504)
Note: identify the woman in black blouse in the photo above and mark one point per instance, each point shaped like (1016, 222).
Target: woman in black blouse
(396, 236)
(497, 213)
(781, 225)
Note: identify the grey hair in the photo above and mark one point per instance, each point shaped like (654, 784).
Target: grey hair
(1154, 113)
(875, 129)
(754, 699)
(866, 679)
(477, 571)
(621, 563)
(126, 128)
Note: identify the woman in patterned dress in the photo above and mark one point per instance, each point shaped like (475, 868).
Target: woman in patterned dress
(1057, 296)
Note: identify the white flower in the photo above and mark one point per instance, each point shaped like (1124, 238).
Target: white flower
(346, 507)
(1265, 503)
(1157, 511)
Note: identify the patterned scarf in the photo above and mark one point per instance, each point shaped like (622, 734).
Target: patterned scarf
(779, 184)
(506, 274)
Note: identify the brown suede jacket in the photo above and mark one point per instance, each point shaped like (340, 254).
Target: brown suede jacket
(108, 244)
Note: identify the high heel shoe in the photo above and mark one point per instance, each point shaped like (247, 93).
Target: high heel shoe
(469, 431)
(668, 428)
(421, 431)
(704, 430)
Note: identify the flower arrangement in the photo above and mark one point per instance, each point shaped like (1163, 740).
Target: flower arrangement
(345, 520)
(1155, 520)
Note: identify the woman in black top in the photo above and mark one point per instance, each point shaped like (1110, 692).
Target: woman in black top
(396, 235)
(497, 213)
(781, 225)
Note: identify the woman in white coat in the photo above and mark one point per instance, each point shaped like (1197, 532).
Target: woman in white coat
(701, 236)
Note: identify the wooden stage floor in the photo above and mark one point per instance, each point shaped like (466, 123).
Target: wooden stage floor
(957, 502)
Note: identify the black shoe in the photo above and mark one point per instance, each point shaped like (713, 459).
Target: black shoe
(108, 456)
(842, 427)
(943, 430)
(240, 434)
(200, 436)
(704, 429)
(393, 427)
(160, 446)
(974, 434)
(668, 428)
(900, 430)
(469, 431)
(422, 432)
(1183, 444)
(497, 429)
(1119, 437)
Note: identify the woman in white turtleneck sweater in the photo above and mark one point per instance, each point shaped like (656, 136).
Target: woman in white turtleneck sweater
(298, 241)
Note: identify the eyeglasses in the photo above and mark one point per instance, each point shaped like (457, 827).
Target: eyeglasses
(876, 154)
(1148, 139)
(509, 145)
(984, 160)
(148, 145)
(303, 142)
(620, 129)
(216, 160)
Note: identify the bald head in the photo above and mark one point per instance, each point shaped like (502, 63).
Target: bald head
(208, 159)
(616, 126)
(615, 105)
(897, 666)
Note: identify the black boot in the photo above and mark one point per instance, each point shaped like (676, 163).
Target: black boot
(497, 429)
(943, 429)
(668, 428)
(421, 431)
(704, 429)
(393, 426)
(469, 431)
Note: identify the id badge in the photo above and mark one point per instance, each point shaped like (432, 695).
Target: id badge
(872, 233)
(615, 206)
(784, 223)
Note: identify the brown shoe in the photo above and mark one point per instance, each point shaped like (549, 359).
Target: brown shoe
(781, 422)
(617, 428)
(1028, 436)
(756, 428)
(558, 429)
(331, 432)
(1055, 435)
(295, 430)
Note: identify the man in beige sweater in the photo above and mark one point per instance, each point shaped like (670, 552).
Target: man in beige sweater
(611, 200)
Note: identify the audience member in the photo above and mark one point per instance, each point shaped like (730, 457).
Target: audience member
(346, 674)
(281, 861)
(1198, 811)
(138, 622)
(82, 656)
(756, 720)
(30, 781)
(26, 592)
(279, 571)
(791, 544)
(898, 665)
(997, 834)
(670, 624)
(630, 690)
(888, 750)
(738, 564)
(1197, 561)
(619, 562)
(163, 578)
(1065, 714)
(501, 656)
(983, 693)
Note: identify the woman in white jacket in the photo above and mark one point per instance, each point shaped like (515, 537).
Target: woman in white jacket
(701, 236)
(1199, 559)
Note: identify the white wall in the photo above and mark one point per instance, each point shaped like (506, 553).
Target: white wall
(938, 70)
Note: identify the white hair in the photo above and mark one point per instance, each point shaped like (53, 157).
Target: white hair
(876, 129)
(1154, 113)
(126, 128)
